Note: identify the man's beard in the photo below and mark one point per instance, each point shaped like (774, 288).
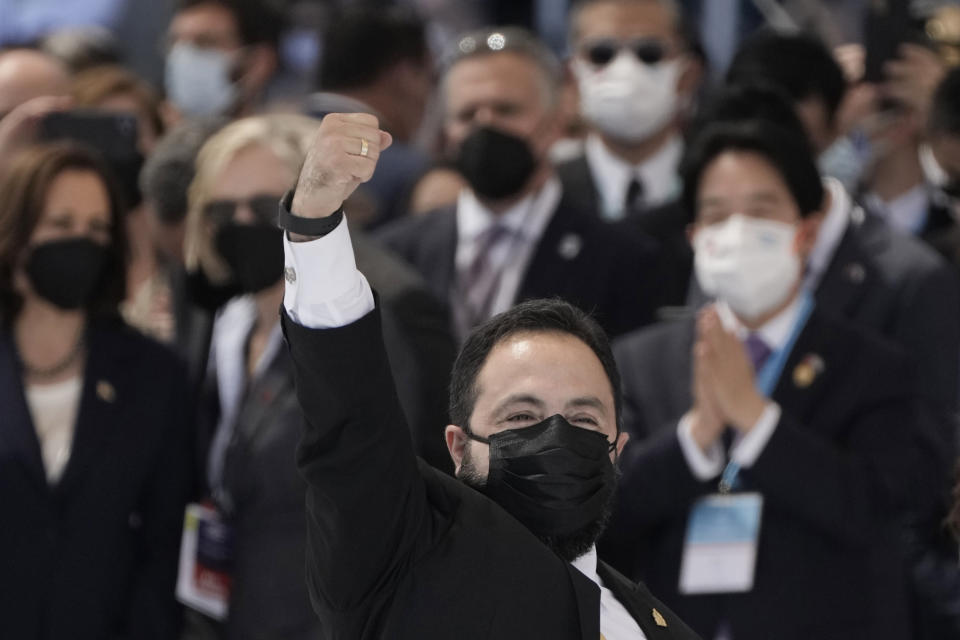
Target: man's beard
(568, 546)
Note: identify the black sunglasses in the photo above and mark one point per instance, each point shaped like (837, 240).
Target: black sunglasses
(601, 52)
(264, 207)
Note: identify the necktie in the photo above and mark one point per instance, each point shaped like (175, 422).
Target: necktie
(758, 350)
(634, 200)
(478, 284)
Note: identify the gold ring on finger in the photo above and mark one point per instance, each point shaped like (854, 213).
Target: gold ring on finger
(364, 148)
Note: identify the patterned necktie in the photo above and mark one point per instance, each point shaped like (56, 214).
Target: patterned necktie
(478, 284)
(758, 350)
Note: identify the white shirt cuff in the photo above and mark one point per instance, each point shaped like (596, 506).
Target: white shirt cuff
(746, 451)
(703, 465)
(323, 287)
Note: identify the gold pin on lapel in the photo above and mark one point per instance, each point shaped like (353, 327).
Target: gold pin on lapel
(659, 619)
(807, 370)
(106, 392)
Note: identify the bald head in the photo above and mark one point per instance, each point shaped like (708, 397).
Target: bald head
(26, 74)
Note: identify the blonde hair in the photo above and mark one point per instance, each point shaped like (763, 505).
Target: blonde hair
(288, 136)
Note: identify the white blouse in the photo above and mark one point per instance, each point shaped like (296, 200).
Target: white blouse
(54, 408)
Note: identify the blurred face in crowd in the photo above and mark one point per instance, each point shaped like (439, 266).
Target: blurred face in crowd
(750, 240)
(240, 216)
(631, 66)
(77, 205)
(209, 69)
(26, 74)
(506, 91)
(510, 94)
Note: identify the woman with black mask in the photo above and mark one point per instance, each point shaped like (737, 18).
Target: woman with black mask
(94, 436)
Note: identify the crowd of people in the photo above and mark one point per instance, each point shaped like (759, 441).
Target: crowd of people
(696, 328)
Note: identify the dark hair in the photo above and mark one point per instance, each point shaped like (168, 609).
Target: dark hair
(538, 316)
(740, 102)
(786, 149)
(258, 21)
(168, 171)
(684, 28)
(945, 108)
(799, 64)
(360, 44)
(96, 84)
(25, 185)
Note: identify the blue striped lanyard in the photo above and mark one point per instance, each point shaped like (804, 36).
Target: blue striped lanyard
(769, 375)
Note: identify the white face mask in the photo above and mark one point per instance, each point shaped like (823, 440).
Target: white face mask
(748, 263)
(628, 99)
(198, 80)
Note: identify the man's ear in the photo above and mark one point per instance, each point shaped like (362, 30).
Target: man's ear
(457, 441)
(622, 442)
(808, 231)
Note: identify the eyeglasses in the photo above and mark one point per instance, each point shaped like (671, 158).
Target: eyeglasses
(263, 206)
(647, 50)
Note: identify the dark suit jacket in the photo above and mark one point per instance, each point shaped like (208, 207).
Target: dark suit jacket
(666, 223)
(95, 557)
(840, 466)
(397, 550)
(612, 275)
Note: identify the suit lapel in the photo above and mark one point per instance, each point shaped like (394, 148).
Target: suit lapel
(850, 273)
(807, 371)
(588, 602)
(440, 259)
(578, 186)
(643, 610)
(17, 434)
(103, 391)
(559, 251)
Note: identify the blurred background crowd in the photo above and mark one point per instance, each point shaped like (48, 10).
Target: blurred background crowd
(145, 146)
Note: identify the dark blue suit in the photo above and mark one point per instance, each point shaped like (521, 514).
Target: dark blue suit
(95, 556)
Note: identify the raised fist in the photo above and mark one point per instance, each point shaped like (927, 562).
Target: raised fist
(343, 155)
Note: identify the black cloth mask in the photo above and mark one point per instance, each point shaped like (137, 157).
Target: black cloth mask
(553, 477)
(254, 253)
(68, 273)
(496, 164)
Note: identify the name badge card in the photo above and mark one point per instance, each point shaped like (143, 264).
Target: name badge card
(720, 551)
(206, 562)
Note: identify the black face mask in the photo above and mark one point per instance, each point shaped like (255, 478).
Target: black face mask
(555, 478)
(68, 273)
(496, 164)
(254, 253)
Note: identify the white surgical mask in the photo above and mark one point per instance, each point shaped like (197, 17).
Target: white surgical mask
(198, 80)
(628, 99)
(750, 264)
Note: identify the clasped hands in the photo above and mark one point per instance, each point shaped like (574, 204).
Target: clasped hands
(723, 386)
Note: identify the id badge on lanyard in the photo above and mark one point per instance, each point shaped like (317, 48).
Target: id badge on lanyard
(206, 561)
(723, 531)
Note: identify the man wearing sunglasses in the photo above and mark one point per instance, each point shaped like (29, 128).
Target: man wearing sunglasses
(636, 74)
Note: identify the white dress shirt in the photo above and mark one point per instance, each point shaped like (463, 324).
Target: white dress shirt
(526, 222)
(612, 175)
(53, 409)
(228, 361)
(342, 296)
(616, 623)
(907, 213)
(707, 465)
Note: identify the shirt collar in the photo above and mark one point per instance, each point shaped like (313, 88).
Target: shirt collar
(526, 217)
(774, 332)
(907, 212)
(832, 228)
(612, 174)
(587, 565)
